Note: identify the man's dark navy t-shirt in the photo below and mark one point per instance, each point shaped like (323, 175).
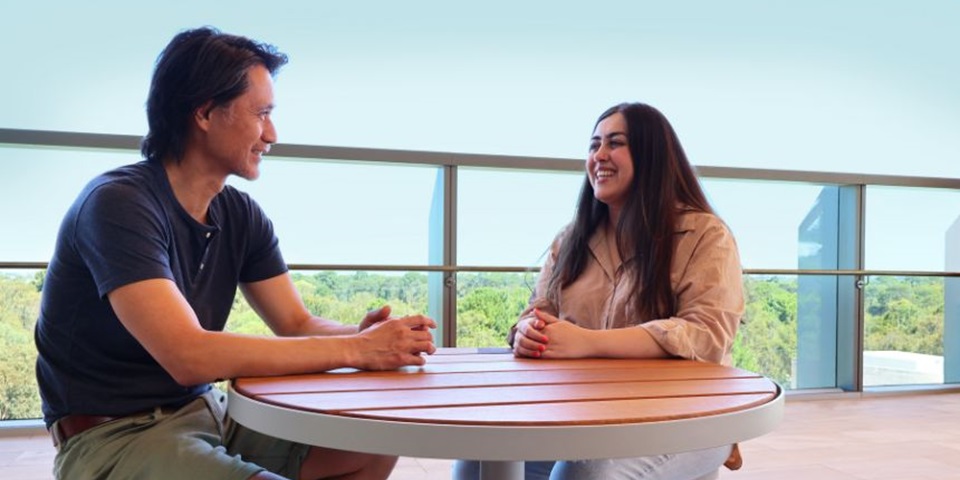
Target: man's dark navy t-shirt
(127, 226)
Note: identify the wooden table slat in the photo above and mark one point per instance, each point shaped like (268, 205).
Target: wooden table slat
(502, 395)
(497, 408)
(360, 381)
(519, 365)
(574, 413)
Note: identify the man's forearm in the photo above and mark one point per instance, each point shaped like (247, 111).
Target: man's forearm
(323, 327)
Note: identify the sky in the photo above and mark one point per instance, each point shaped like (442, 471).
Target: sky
(855, 86)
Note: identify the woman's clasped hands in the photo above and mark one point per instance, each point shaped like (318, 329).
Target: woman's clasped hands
(543, 335)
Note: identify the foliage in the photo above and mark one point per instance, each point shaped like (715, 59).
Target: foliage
(767, 338)
(19, 307)
(903, 314)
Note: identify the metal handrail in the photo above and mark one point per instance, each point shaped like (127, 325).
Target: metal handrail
(520, 269)
(49, 138)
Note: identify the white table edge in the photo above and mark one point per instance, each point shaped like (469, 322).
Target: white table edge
(505, 443)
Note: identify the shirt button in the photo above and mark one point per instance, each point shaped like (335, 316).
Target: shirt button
(208, 234)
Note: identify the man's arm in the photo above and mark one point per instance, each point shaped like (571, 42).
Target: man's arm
(279, 304)
(156, 314)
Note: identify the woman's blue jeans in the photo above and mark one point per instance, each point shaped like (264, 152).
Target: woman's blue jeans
(679, 466)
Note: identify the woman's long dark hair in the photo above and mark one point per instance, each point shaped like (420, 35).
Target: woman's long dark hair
(663, 184)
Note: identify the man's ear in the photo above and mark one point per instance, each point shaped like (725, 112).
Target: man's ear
(202, 115)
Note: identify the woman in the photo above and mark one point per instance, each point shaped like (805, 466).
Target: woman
(645, 270)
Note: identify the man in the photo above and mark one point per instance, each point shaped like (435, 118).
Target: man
(147, 262)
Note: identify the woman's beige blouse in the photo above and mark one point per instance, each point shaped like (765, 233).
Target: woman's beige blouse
(706, 281)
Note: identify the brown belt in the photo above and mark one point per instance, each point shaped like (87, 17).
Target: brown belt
(72, 425)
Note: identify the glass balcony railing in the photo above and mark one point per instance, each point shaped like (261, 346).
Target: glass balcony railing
(837, 298)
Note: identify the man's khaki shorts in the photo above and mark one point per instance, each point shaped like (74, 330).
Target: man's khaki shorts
(193, 442)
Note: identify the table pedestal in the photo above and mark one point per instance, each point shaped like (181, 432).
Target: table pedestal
(490, 470)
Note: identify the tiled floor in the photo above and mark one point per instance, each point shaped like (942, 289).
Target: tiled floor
(915, 437)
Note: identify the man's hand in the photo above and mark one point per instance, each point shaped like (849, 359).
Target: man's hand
(374, 316)
(391, 343)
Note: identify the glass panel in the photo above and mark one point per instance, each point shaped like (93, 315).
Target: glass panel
(767, 342)
(509, 217)
(19, 308)
(907, 228)
(767, 339)
(785, 229)
(788, 332)
(328, 212)
(37, 187)
(488, 304)
(344, 296)
(324, 212)
(903, 338)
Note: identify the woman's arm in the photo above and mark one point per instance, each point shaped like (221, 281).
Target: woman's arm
(709, 293)
(708, 288)
(563, 339)
(524, 336)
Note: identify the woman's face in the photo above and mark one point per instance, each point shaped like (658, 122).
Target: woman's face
(609, 164)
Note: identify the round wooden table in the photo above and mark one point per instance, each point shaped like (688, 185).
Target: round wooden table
(501, 410)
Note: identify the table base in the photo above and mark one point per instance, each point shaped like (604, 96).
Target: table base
(490, 470)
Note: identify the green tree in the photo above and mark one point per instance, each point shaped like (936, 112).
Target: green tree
(904, 314)
(19, 307)
(767, 339)
(485, 315)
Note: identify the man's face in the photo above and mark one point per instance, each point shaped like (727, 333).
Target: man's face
(240, 132)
